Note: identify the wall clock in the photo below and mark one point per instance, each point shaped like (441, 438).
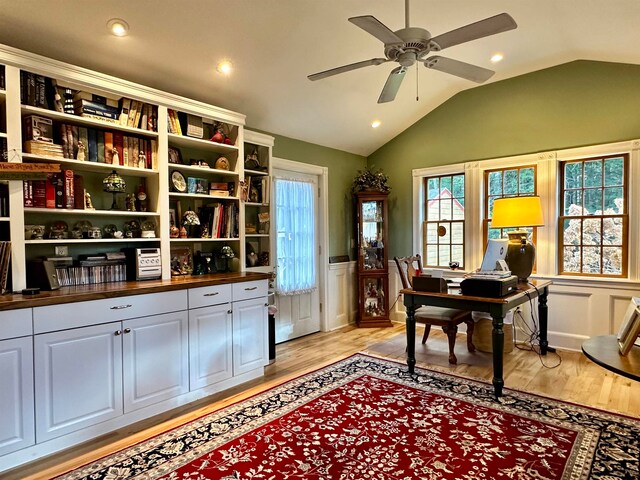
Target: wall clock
(178, 181)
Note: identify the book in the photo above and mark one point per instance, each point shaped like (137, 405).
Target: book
(4, 200)
(144, 117)
(133, 110)
(125, 151)
(95, 98)
(27, 193)
(74, 141)
(136, 121)
(108, 147)
(65, 140)
(100, 146)
(39, 193)
(83, 137)
(88, 106)
(69, 131)
(44, 149)
(124, 104)
(78, 192)
(68, 194)
(50, 190)
(41, 92)
(118, 140)
(93, 145)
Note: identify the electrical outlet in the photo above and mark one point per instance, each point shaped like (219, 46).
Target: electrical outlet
(61, 250)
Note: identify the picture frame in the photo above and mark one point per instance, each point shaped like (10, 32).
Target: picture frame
(181, 261)
(630, 328)
(175, 156)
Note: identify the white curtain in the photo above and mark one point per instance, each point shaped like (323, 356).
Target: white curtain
(295, 230)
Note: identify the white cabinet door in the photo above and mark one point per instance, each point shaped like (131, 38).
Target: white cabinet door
(155, 359)
(16, 394)
(210, 345)
(78, 376)
(250, 342)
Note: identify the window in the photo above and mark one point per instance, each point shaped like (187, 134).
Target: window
(507, 182)
(443, 228)
(295, 236)
(593, 221)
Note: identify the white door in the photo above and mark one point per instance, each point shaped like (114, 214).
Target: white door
(210, 341)
(155, 356)
(78, 378)
(250, 348)
(16, 394)
(298, 314)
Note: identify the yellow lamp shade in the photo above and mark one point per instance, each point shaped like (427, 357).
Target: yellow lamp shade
(517, 212)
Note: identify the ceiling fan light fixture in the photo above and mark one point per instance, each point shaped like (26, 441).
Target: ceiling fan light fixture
(118, 27)
(376, 124)
(225, 67)
(497, 57)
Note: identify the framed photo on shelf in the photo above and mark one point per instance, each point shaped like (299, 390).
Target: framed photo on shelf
(175, 156)
(181, 261)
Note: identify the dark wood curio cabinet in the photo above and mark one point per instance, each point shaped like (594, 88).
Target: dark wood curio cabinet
(373, 268)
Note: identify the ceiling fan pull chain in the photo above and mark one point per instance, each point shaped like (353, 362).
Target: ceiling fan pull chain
(417, 97)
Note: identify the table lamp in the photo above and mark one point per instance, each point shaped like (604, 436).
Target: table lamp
(114, 184)
(518, 212)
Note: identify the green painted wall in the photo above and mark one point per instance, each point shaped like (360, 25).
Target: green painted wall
(574, 104)
(343, 167)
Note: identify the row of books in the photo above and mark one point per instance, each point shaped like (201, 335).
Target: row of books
(5, 261)
(94, 145)
(43, 92)
(220, 219)
(59, 190)
(173, 122)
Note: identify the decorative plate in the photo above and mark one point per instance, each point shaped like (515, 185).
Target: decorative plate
(178, 181)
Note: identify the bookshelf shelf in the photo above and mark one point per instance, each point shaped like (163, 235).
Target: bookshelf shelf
(77, 120)
(194, 240)
(199, 143)
(103, 213)
(255, 172)
(256, 204)
(3, 135)
(201, 196)
(88, 166)
(93, 241)
(5, 219)
(257, 235)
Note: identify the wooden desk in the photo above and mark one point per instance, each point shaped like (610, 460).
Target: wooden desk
(496, 307)
(603, 350)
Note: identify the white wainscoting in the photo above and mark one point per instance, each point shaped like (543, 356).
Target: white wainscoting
(578, 308)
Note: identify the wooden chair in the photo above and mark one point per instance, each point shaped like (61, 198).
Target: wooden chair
(447, 318)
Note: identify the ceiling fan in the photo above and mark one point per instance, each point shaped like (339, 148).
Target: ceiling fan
(411, 45)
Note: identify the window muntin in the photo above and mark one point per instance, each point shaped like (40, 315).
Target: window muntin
(507, 182)
(593, 221)
(443, 227)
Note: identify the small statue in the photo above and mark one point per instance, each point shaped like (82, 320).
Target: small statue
(142, 160)
(115, 157)
(81, 151)
(88, 204)
(131, 202)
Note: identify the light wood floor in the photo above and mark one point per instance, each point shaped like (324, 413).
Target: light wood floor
(576, 379)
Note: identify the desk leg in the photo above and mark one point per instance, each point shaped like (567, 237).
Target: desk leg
(497, 345)
(542, 315)
(411, 337)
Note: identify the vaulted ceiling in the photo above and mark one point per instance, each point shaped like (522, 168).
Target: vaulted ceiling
(274, 44)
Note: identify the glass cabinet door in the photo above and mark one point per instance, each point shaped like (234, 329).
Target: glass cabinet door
(372, 236)
(373, 294)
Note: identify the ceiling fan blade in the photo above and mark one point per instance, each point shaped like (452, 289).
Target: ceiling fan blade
(459, 69)
(346, 68)
(391, 86)
(483, 28)
(375, 27)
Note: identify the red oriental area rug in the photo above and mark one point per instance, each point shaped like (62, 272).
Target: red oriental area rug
(367, 418)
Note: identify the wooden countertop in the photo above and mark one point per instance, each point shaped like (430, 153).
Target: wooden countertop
(121, 289)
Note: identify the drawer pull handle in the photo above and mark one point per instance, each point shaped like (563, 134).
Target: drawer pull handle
(120, 307)
(127, 330)
(117, 333)
(266, 304)
(229, 311)
(213, 294)
(251, 288)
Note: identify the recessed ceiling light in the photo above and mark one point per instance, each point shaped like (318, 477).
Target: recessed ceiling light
(118, 27)
(225, 67)
(376, 124)
(497, 57)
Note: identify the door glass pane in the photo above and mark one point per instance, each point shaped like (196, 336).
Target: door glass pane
(374, 295)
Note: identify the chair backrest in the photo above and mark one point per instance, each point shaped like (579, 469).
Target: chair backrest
(408, 268)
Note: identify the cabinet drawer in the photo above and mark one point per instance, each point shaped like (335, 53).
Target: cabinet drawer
(15, 323)
(212, 295)
(94, 312)
(253, 289)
